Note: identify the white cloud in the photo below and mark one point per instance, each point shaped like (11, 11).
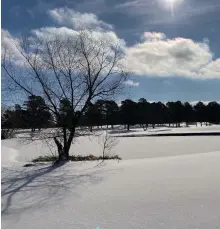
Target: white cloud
(155, 55)
(8, 45)
(64, 32)
(76, 20)
(160, 56)
(212, 69)
(128, 4)
(131, 83)
(136, 4)
(7, 40)
(50, 32)
(153, 36)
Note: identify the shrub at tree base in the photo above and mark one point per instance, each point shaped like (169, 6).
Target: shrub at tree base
(77, 158)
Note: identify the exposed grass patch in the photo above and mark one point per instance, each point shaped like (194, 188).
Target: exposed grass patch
(76, 158)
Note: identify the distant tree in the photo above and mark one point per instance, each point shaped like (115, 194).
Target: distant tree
(200, 112)
(14, 118)
(128, 113)
(112, 113)
(66, 114)
(99, 113)
(6, 118)
(11, 120)
(176, 112)
(143, 112)
(153, 115)
(38, 115)
(213, 112)
(89, 116)
(188, 113)
(161, 110)
(7, 124)
(165, 115)
(156, 115)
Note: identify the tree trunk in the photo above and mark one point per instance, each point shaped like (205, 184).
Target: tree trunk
(69, 141)
(62, 154)
(63, 150)
(128, 127)
(112, 126)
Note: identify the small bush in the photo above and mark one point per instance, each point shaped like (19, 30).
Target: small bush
(76, 158)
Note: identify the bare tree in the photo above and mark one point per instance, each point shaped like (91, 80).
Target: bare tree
(77, 69)
(107, 143)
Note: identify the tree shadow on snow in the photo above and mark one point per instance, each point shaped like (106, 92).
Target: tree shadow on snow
(33, 187)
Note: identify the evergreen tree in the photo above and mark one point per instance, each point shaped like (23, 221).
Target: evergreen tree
(37, 113)
(112, 112)
(200, 112)
(188, 113)
(213, 112)
(128, 111)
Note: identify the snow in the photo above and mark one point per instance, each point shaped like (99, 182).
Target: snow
(127, 148)
(138, 132)
(172, 192)
(9, 154)
(162, 182)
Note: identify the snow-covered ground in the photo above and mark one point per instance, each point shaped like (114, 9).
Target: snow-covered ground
(128, 148)
(162, 182)
(165, 130)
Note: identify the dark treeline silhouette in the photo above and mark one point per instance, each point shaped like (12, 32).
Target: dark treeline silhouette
(35, 115)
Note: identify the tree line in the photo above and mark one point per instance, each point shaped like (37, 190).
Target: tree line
(34, 114)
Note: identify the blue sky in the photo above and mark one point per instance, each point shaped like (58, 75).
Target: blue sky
(173, 45)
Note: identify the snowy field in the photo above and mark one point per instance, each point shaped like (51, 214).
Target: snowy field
(135, 132)
(162, 182)
(16, 150)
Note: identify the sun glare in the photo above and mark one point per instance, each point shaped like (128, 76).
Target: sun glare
(173, 1)
(171, 5)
